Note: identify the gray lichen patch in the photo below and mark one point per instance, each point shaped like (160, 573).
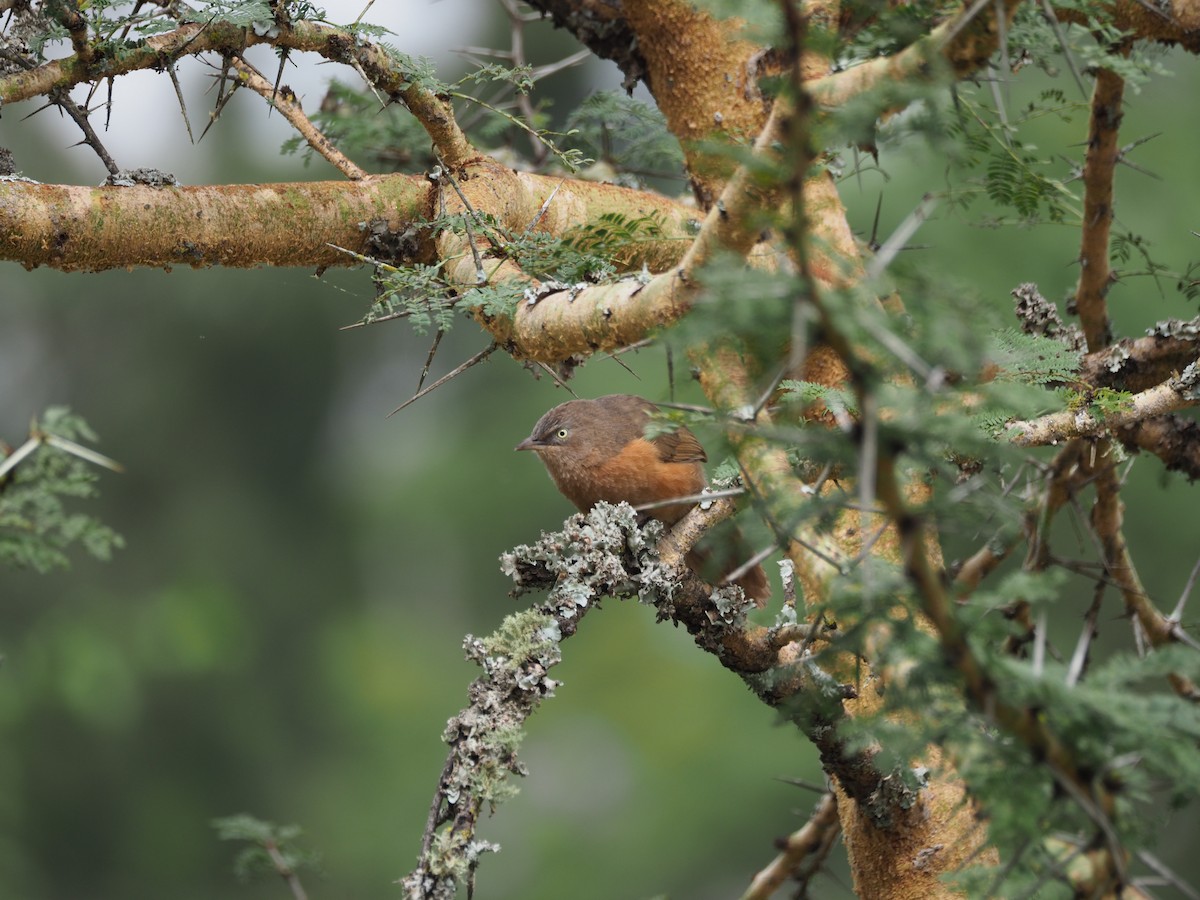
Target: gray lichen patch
(602, 553)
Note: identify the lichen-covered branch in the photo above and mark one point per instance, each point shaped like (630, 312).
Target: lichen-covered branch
(603, 553)
(1175, 393)
(1063, 479)
(587, 561)
(1135, 364)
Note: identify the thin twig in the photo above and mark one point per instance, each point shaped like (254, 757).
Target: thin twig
(963, 20)
(37, 438)
(480, 275)
(1177, 612)
(765, 396)
(285, 871)
(541, 213)
(751, 563)
(1048, 12)
(517, 55)
(1038, 664)
(290, 108)
(1079, 659)
(474, 360)
(1085, 801)
(796, 848)
(222, 97)
(898, 238)
(624, 365)
(283, 58)
(693, 498)
(557, 379)
(357, 66)
(437, 339)
(187, 123)
(1001, 110)
(982, 563)
(80, 118)
(1174, 880)
(1002, 40)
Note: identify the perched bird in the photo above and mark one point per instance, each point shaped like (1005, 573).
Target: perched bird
(597, 450)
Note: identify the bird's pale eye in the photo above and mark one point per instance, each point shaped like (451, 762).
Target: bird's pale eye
(562, 434)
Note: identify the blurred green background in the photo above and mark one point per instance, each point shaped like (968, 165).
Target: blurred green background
(282, 634)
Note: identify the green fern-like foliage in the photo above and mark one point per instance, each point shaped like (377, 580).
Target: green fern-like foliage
(809, 392)
(413, 292)
(389, 138)
(1107, 401)
(591, 253)
(1033, 359)
(243, 13)
(1028, 368)
(889, 28)
(270, 849)
(627, 134)
(36, 525)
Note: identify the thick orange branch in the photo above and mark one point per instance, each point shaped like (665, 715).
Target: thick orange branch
(94, 229)
(77, 228)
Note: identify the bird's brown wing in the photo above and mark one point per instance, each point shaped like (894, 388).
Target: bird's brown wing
(679, 446)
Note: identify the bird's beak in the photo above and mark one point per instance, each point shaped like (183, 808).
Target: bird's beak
(528, 444)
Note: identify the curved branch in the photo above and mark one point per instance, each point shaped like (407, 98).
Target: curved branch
(580, 320)
(767, 659)
(386, 72)
(964, 44)
(813, 840)
(289, 107)
(1108, 521)
(597, 554)
(1173, 394)
(1168, 21)
(1135, 364)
